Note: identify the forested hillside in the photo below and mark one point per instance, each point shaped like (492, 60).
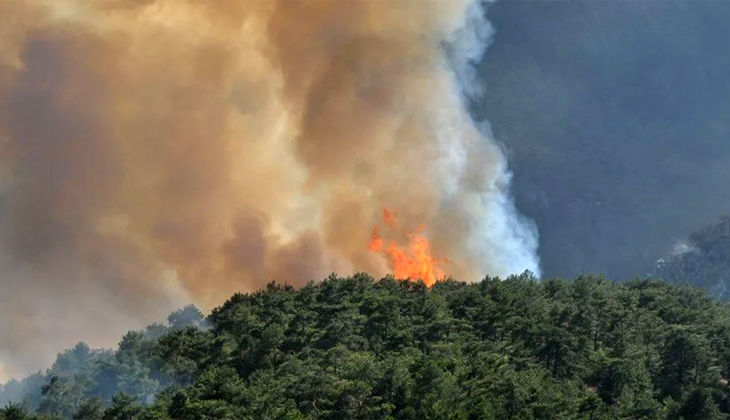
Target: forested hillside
(703, 260)
(358, 348)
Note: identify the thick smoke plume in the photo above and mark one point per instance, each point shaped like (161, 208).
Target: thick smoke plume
(156, 152)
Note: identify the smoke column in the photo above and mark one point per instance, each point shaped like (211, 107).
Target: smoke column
(158, 152)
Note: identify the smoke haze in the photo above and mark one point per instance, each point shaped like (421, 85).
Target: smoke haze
(158, 152)
(615, 117)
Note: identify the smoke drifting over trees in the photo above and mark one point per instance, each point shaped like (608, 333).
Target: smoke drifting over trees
(154, 153)
(159, 152)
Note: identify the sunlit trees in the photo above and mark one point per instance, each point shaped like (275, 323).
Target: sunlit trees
(362, 349)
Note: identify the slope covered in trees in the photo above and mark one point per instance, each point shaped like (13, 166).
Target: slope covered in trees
(702, 261)
(359, 348)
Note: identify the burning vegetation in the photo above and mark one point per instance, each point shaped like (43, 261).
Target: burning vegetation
(168, 151)
(414, 260)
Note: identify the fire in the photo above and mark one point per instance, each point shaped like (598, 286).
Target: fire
(414, 261)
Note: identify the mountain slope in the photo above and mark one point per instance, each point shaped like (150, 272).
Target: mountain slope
(703, 260)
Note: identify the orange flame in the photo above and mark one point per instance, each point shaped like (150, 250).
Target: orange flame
(389, 218)
(413, 262)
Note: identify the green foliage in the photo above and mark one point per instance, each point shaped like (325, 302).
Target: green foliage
(91, 409)
(189, 316)
(124, 407)
(363, 349)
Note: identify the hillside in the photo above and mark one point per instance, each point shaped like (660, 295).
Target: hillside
(703, 260)
(359, 348)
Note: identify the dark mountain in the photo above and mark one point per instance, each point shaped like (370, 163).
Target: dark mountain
(703, 260)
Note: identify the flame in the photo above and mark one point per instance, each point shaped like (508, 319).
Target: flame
(389, 218)
(376, 242)
(412, 262)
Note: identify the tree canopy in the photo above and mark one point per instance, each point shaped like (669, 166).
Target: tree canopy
(394, 349)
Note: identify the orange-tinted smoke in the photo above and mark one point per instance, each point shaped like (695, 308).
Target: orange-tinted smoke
(161, 151)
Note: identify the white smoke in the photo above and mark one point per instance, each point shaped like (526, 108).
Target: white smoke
(504, 242)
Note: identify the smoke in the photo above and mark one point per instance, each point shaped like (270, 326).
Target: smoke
(682, 247)
(157, 152)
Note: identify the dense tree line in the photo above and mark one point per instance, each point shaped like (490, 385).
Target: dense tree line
(358, 348)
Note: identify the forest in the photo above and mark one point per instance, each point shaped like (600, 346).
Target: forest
(141, 138)
(362, 348)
